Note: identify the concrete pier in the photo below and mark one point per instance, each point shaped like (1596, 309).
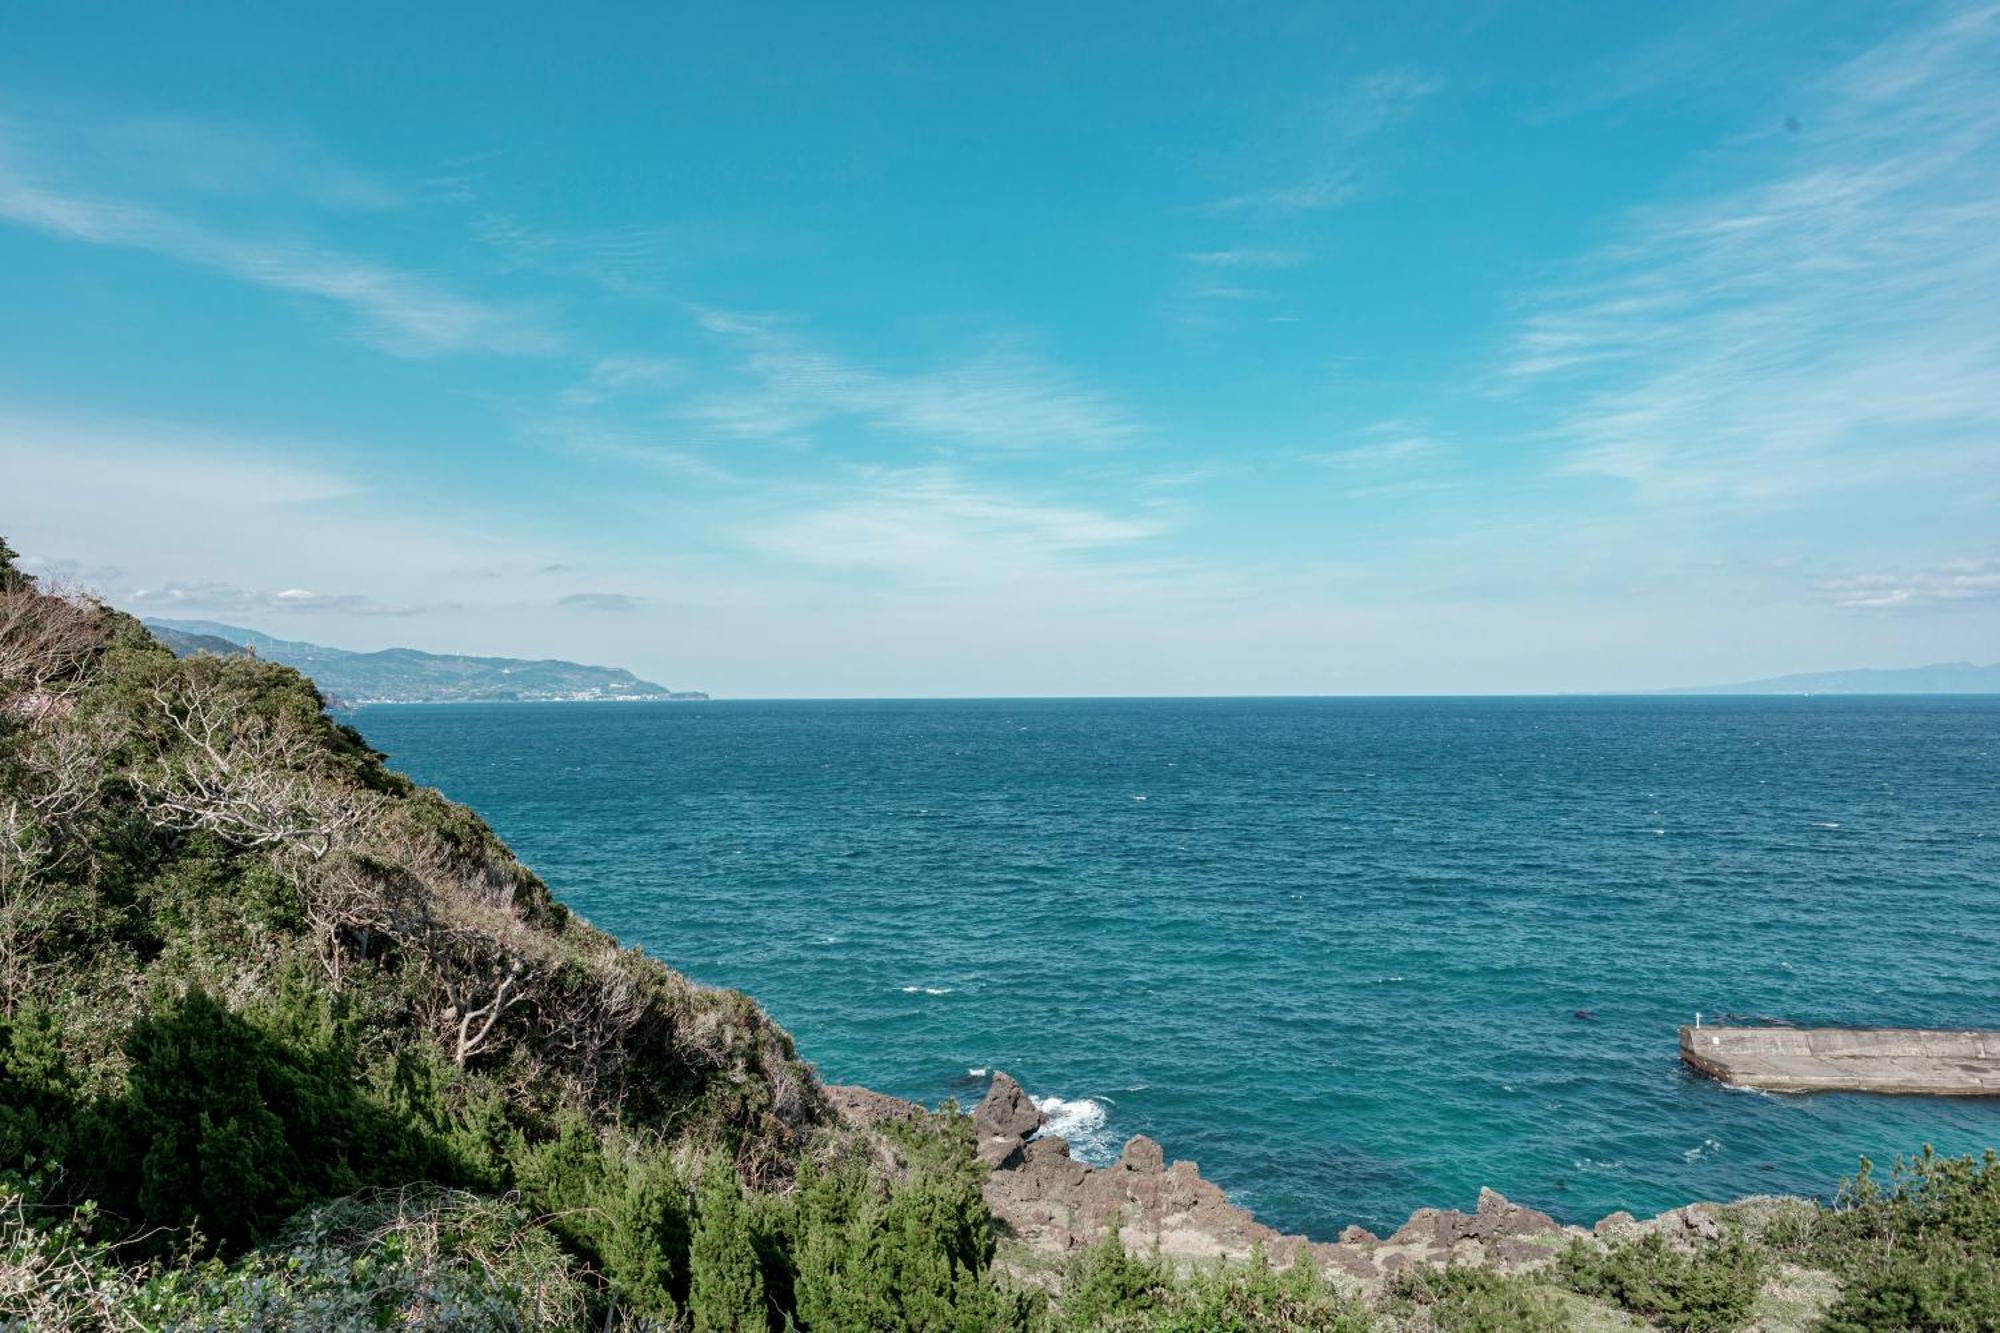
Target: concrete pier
(1895, 1060)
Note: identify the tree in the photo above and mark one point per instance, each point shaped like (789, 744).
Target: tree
(726, 1289)
(249, 778)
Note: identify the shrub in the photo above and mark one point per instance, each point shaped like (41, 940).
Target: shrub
(406, 1259)
(726, 1283)
(228, 1127)
(1922, 1255)
(1106, 1280)
(1110, 1292)
(1706, 1290)
(1460, 1298)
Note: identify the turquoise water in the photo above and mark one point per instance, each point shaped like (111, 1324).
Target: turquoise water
(1333, 950)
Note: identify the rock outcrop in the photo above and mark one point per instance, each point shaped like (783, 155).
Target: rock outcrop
(1003, 1122)
(1053, 1203)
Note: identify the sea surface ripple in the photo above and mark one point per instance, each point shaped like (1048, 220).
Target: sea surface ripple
(1352, 956)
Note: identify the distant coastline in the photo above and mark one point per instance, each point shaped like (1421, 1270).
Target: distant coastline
(1938, 678)
(410, 676)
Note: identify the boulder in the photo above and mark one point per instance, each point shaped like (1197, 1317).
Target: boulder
(1004, 1120)
(1143, 1155)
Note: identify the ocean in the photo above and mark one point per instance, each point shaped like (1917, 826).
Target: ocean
(1353, 957)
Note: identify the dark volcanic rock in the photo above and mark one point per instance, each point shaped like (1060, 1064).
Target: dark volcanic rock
(1004, 1120)
(1051, 1202)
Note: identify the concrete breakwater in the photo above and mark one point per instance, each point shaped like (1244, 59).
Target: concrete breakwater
(1913, 1061)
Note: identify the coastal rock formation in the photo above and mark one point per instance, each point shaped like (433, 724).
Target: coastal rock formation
(1005, 1119)
(1054, 1204)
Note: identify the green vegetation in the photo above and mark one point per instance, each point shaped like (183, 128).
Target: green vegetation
(1922, 1254)
(287, 1041)
(1475, 1300)
(1110, 1290)
(1707, 1290)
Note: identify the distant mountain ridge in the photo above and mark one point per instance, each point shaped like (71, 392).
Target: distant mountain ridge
(408, 676)
(1940, 678)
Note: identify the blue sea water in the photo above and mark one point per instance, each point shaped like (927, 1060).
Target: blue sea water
(1332, 950)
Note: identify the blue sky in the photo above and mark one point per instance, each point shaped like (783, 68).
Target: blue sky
(1117, 349)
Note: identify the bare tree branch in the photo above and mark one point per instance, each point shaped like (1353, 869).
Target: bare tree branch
(46, 638)
(243, 776)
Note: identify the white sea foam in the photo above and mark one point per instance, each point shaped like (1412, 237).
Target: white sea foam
(1701, 1149)
(1080, 1122)
(927, 990)
(981, 1072)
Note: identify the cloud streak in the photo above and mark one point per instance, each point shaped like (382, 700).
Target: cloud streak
(232, 599)
(399, 311)
(1319, 152)
(1826, 325)
(1004, 400)
(929, 525)
(1952, 583)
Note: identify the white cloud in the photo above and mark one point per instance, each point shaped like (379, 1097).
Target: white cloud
(617, 376)
(1003, 400)
(1950, 583)
(1318, 154)
(1826, 326)
(612, 602)
(181, 155)
(400, 311)
(929, 525)
(229, 599)
(169, 519)
(1248, 257)
(1393, 451)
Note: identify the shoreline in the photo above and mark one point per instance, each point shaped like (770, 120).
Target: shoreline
(1052, 1206)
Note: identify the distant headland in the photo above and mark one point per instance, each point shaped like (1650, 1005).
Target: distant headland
(1940, 678)
(408, 676)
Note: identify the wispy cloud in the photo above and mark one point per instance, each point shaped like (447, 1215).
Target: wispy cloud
(177, 155)
(931, 525)
(401, 311)
(1391, 444)
(616, 603)
(618, 376)
(1317, 154)
(1828, 324)
(231, 599)
(1002, 400)
(1248, 257)
(1951, 583)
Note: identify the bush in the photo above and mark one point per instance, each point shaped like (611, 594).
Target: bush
(1105, 1280)
(1706, 1290)
(1922, 1255)
(1108, 1291)
(726, 1283)
(1460, 1298)
(228, 1127)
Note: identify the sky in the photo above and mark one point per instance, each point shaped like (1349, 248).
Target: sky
(912, 350)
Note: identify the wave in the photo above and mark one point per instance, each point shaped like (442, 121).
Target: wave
(927, 990)
(1082, 1123)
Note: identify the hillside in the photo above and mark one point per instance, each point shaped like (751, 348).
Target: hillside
(406, 675)
(1941, 678)
(287, 1041)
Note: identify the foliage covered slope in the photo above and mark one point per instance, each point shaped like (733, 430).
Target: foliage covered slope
(245, 970)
